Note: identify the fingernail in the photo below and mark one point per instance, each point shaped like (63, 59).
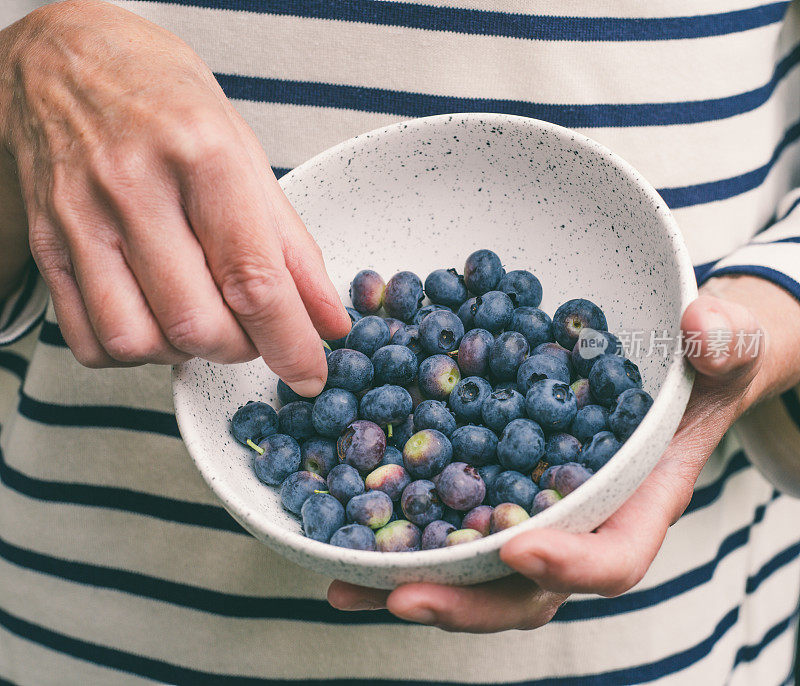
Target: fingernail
(308, 388)
(420, 615)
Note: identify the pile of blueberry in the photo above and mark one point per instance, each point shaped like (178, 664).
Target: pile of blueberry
(444, 423)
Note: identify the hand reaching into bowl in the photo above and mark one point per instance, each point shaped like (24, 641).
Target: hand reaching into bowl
(149, 205)
(552, 564)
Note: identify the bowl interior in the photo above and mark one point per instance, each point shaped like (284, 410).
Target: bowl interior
(425, 194)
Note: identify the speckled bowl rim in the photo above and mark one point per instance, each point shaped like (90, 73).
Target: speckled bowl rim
(679, 377)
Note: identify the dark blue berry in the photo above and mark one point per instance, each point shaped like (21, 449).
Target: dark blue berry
(368, 334)
(531, 322)
(350, 370)
(599, 450)
(403, 296)
(632, 405)
(298, 487)
(574, 316)
(465, 314)
(501, 407)
(506, 356)
(433, 414)
(588, 421)
(561, 448)
(395, 364)
(319, 455)
(361, 445)
(492, 311)
(408, 336)
(552, 404)
(446, 287)
(435, 534)
(354, 536)
(468, 397)
(460, 486)
(386, 405)
(538, 367)
(279, 457)
(513, 487)
(524, 289)
(344, 482)
(521, 445)
(483, 271)
(322, 515)
(473, 353)
(440, 332)
(420, 502)
(475, 445)
(355, 315)
(333, 410)
(590, 346)
(610, 376)
(294, 420)
(254, 421)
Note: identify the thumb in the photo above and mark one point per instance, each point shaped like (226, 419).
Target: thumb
(722, 340)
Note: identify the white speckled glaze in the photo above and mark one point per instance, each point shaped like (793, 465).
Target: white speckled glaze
(422, 195)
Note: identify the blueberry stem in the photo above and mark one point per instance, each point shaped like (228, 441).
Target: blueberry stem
(389, 430)
(255, 447)
(320, 491)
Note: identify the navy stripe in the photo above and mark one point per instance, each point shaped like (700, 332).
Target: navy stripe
(280, 171)
(790, 239)
(700, 193)
(704, 496)
(493, 23)
(701, 270)
(123, 499)
(791, 209)
(779, 278)
(637, 600)
(749, 653)
(791, 403)
(98, 416)
(164, 671)
(782, 559)
(16, 364)
(408, 104)
(51, 335)
(26, 330)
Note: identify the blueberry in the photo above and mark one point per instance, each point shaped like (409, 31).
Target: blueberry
(408, 336)
(573, 316)
(298, 487)
(475, 445)
(319, 455)
(253, 421)
(632, 405)
(452, 516)
(465, 314)
(294, 420)
(507, 353)
(513, 487)
(386, 405)
(333, 410)
(483, 271)
(548, 478)
(538, 367)
(611, 375)
(350, 370)
(506, 386)
(366, 291)
(556, 350)
(501, 407)
(468, 397)
(322, 515)
(473, 353)
(399, 536)
(354, 536)
(438, 375)
(569, 476)
(394, 326)
(446, 287)
(492, 311)
(423, 312)
(479, 518)
(361, 445)
(372, 509)
(561, 448)
(460, 486)
(544, 499)
(440, 332)
(524, 289)
(280, 457)
(583, 393)
(344, 482)
(599, 450)
(433, 414)
(390, 478)
(489, 474)
(286, 395)
(392, 456)
(401, 432)
(395, 364)
(506, 515)
(427, 453)
(521, 445)
(590, 420)
(355, 315)
(435, 533)
(368, 334)
(535, 325)
(588, 348)
(552, 404)
(420, 503)
(462, 536)
(403, 296)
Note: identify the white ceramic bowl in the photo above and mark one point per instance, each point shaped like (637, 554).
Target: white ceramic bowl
(422, 195)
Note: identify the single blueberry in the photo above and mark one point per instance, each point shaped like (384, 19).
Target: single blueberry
(433, 414)
(535, 325)
(610, 376)
(322, 515)
(427, 453)
(561, 448)
(569, 476)
(588, 421)
(590, 346)
(460, 486)
(465, 314)
(408, 336)
(395, 364)
(552, 404)
(632, 405)
(366, 291)
(552, 348)
(475, 445)
(548, 478)
(446, 287)
(506, 356)
(492, 311)
(319, 455)
(279, 457)
(354, 536)
(386, 405)
(524, 289)
(452, 516)
(392, 455)
(538, 367)
(440, 332)
(349, 369)
(420, 502)
(344, 482)
(483, 271)
(575, 315)
(513, 487)
(298, 487)
(253, 421)
(372, 509)
(521, 445)
(437, 376)
(501, 407)
(473, 353)
(403, 296)
(368, 334)
(599, 450)
(468, 397)
(294, 420)
(333, 410)
(435, 534)
(361, 445)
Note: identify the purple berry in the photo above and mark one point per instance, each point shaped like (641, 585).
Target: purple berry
(460, 486)
(366, 291)
(362, 445)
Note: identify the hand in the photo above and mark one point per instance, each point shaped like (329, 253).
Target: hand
(551, 564)
(152, 212)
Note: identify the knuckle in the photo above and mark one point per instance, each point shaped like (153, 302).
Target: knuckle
(190, 333)
(252, 290)
(125, 347)
(88, 355)
(197, 140)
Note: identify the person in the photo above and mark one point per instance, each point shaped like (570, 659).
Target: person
(135, 179)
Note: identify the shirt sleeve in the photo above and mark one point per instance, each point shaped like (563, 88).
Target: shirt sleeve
(772, 254)
(24, 308)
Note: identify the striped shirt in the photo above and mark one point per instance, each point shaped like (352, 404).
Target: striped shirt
(118, 566)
